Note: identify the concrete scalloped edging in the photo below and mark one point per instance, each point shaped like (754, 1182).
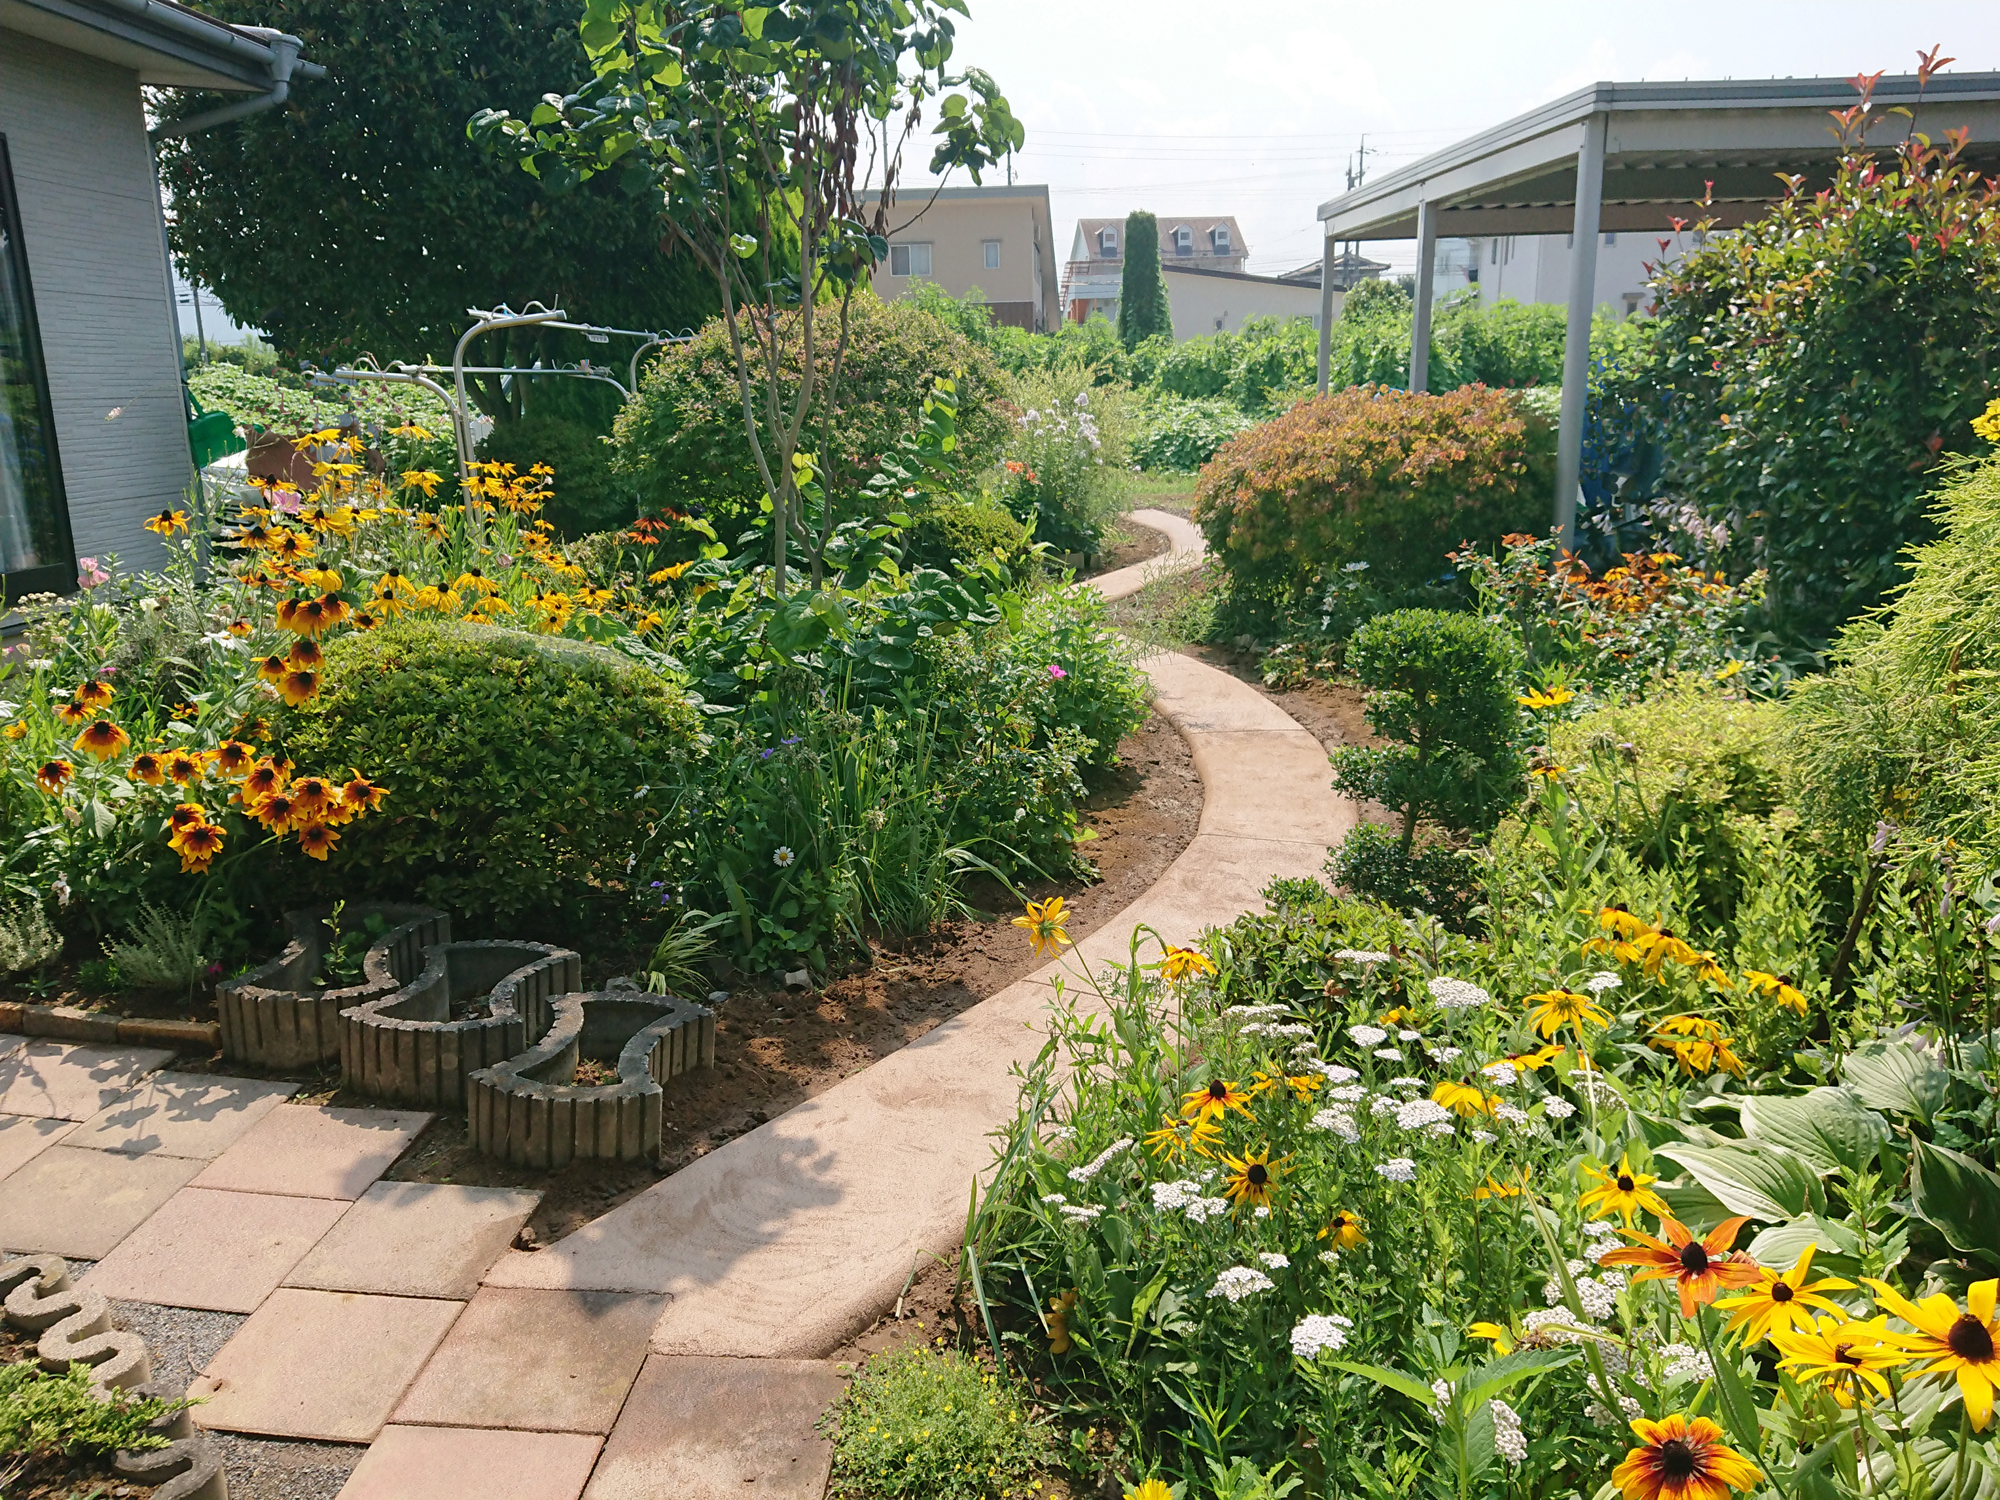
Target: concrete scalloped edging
(274, 1017)
(1186, 547)
(524, 1110)
(405, 1047)
(74, 1325)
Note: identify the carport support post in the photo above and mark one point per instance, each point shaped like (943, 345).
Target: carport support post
(1420, 312)
(1325, 315)
(1576, 340)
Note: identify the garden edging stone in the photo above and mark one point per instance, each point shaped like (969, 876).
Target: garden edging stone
(1185, 549)
(790, 1239)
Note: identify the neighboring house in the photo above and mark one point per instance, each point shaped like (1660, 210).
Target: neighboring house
(1535, 268)
(93, 422)
(998, 239)
(1097, 258)
(1205, 301)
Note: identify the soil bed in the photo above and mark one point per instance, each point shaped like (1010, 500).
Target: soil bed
(1125, 543)
(776, 1048)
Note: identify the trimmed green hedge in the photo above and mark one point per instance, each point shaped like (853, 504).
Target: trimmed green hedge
(523, 771)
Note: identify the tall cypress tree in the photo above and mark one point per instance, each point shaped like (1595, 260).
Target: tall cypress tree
(1142, 291)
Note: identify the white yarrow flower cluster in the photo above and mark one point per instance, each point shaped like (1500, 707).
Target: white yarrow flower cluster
(1603, 980)
(1185, 1197)
(1398, 1169)
(1339, 1124)
(1275, 1028)
(1348, 1093)
(1334, 1072)
(1054, 1198)
(1362, 956)
(1254, 1012)
(1686, 1362)
(1508, 1114)
(1502, 1073)
(1239, 1282)
(1080, 1213)
(1447, 1054)
(1382, 1105)
(1558, 1108)
(1097, 1163)
(1273, 1261)
(1555, 1324)
(1389, 1054)
(1457, 994)
(1424, 1114)
(1600, 1229)
(1368, 1036)
(1630, 1409)
(1319, 1333)
(1440, 1398)
(1407, 1083)
(1062, 1132)
(1508, 1439)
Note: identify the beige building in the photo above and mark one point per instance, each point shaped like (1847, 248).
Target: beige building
(1204, 301)
(998, 239)
(1096, 268)
(93, 422)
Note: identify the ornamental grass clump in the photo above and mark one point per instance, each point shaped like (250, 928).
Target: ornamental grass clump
(931, 1423)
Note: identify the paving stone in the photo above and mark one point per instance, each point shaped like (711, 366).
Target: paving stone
(474, 1463)
(416, 1239)
(224, 1252)
(59, 1081)
(23, 1137)
(9, 1041)
(315, 1152)
(182, 1114)
(82, 1203)
(698, 1428)
(324, 1365)
(535, 1361)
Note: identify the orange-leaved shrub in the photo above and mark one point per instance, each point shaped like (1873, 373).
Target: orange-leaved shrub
(1391, 478)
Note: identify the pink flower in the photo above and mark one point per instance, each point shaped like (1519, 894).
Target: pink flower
(89, 575)
(1057, 672)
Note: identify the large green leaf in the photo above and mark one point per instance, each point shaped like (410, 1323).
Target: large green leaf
(1898, 1077)
(1829, 1127)
(1957, 1197)
(1837, 1249)
(1766, 1182)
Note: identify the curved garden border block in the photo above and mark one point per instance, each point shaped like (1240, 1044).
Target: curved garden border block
(527, 1112)
(274, 1015)
(75, 1328)
(407, 1048)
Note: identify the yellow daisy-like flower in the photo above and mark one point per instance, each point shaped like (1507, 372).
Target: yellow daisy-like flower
(1961, 1345)
(1184, 963)
(275, 812)
(1498, 1335)
(17, 730)
(1622, 1192)
(1779, 987)
(1541, 1057)
(1539, 700)
(93, 694)
(1846, 1356)
(317, 840)
(1213, 1099)
(1152, 1489)
(668, 575)
(1782, 1302)
(233, 758)
(1464, 1099)
(183, 767)
(1176, 1138)
(1617, 919)
(101, 739)
(361, 794)
(149, 768)
(1551, 1010)
(1682, 1458)
(299, 686)
(74, 714)
(1344, 1231)
(54, 775)
(167, 522)
(197, 845)
(1251, 1178)
(1060, 1309)
(1044, 923)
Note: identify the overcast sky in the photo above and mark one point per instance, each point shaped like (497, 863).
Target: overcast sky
(1254, 107)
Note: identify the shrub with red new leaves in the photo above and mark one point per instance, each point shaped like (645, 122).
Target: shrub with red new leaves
(1394, 479)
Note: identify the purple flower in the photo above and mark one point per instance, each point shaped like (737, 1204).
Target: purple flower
(1057, 672)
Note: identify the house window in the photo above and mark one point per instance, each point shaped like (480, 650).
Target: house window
(992, 248)
(913, 259)
(34, 516)
(1219, 237)
(1184, 241)
(1107, 243)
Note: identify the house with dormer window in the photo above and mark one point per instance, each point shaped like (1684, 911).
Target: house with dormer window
(1097, 264)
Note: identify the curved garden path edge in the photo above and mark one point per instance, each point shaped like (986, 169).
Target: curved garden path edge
(789, 1240)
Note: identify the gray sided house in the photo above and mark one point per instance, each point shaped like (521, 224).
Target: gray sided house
(93, 420)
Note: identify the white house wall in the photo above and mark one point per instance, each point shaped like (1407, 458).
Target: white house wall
(1220, 304)
(90, 221)
(1535, 268)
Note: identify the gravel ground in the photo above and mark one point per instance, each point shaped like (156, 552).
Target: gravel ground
(181, 1341)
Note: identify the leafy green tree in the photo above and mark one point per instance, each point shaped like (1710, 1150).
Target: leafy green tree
(358, 217)
(752, 125)
(1440, 689)
(1821, 366)
(1142, 289)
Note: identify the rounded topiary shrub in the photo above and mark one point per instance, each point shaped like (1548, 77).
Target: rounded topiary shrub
(523, 771)
(1394, 479)
(682, 436)
(954, 531)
